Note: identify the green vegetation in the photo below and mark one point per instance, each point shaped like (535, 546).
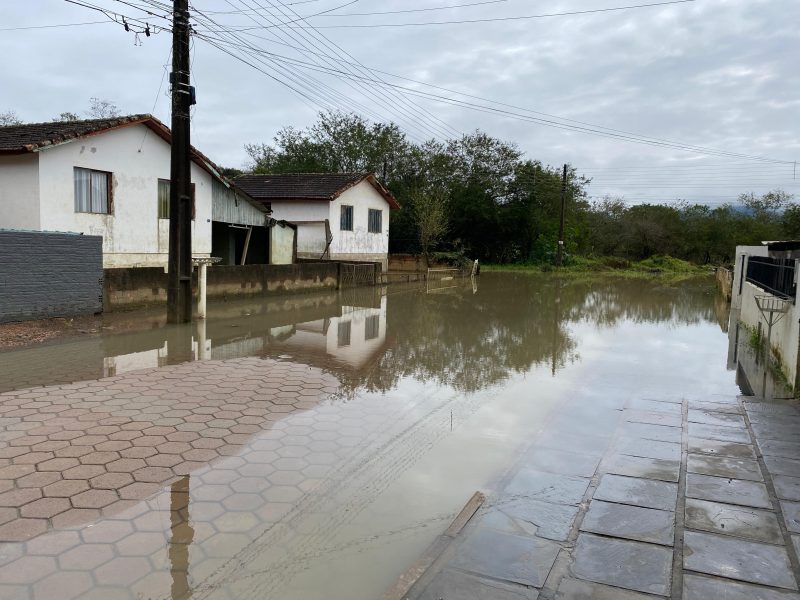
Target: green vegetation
(481, 197)
(655, 265)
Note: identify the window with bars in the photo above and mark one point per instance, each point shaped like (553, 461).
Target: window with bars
(346, 223)
(163, 199)
(375, 220)
(92, 191)
(372, 327)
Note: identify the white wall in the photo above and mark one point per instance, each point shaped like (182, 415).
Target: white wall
(281, 245)
(19, 192)
(359, 243)
(740, 270)
(360, 350)
(785, 337)
(137, 158)
(310, 238)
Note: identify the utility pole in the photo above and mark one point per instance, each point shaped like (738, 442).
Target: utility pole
(179, 288)
(560, 254)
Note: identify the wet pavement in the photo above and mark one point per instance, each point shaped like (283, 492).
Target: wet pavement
(314, 447)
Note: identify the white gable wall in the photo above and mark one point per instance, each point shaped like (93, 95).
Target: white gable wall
(360, 244)
(310, 238)
(19, 192)
(137, 158)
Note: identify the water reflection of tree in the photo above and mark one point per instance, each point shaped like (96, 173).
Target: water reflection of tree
(514, 322)
(606, 302)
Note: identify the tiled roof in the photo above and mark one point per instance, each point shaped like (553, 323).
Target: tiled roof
(30, 137)
(18, 139)
(307, 186)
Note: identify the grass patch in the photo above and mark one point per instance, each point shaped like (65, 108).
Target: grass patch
(655, 265)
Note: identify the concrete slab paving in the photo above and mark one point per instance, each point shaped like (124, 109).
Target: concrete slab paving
(717, 432)
(725, 407)
(646, 431)
(551, 487)
(715, 418)
(701, 587)
(575, 589)
(728, 490)
(778, 465)
(563, 462)
(779, 448)
(739, 559)
(786, 432)
(455, 585)
(513, 558)
(649, 449)
(724, 466)
(719, 448)
(647, 468)
(791, 515)
(738, 521)
(634, 566)
(552, 521)
(630, 522)
(787, 488)
(654, 418)
(647, 493)
(655, 406)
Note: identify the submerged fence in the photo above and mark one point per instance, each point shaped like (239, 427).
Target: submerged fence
(773, 275)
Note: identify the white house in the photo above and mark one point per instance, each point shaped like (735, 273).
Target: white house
(110, 177)
(341, 216)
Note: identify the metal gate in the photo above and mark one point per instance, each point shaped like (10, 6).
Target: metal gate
(353, 275)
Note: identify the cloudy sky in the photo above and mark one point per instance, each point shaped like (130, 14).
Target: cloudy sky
(715, 74)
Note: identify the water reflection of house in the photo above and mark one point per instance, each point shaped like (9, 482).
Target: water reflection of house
(346, 329)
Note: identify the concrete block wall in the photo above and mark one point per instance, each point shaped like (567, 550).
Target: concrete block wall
(135, 287)
(46, 274)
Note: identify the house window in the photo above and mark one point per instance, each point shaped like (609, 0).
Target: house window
(372, 327)
(375, 222)
(344, 333)
(92, 191)
(347, 218)
(163, 199)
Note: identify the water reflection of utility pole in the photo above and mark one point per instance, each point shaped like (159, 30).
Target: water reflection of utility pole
(181, 537)
(556, 321)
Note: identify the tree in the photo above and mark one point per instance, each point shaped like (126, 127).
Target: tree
(9, 118)
(102, 109)
(767, 205)
(66, 117)
(337, 143)
(431, 217)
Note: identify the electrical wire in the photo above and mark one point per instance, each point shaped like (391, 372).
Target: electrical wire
(500, 19)
(56, 25)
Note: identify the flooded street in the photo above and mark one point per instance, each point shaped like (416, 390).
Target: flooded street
(313, 447)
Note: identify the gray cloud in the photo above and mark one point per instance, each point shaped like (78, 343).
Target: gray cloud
(715, 73)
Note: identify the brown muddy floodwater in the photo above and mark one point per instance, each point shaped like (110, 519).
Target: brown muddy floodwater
(312, 447)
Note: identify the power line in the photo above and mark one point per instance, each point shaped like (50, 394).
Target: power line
(496, 19)
(310, 84)
(553, 121)
(434, 120)
(418, 10)
(367, 89)
(56, 25)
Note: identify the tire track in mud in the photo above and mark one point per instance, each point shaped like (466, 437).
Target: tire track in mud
(378, 468)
